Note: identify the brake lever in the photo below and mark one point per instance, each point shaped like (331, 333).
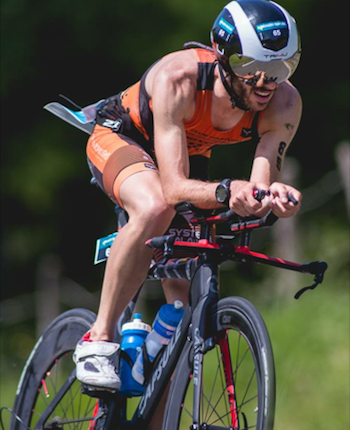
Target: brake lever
(321, 267)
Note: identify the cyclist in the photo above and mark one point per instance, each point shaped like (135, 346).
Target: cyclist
(151, 147)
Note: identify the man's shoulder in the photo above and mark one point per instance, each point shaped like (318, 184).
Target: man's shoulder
(285, 101)
(180, 63)
(176, 68)
(287, 95)
(286, 105)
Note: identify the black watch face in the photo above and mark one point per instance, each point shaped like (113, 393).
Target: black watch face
(221, 194)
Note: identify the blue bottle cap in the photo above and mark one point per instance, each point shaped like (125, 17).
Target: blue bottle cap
(136, 324)
(171, 314)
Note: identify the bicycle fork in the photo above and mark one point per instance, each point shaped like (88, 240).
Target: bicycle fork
(204, 295)
(230, 388)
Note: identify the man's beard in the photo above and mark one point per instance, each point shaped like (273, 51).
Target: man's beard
(242, 92)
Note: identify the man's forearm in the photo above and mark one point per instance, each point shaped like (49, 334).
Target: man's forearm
(201, 194)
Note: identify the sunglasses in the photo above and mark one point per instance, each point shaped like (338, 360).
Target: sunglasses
(253, 80)
(250, 70)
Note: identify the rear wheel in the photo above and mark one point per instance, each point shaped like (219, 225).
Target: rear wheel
(238, 379)
(48, 395)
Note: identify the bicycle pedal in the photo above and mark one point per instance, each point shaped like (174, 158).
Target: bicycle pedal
(100, 393)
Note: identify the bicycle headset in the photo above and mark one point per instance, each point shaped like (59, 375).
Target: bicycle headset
(250, 37)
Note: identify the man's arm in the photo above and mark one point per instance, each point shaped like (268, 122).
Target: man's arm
(277, 129)
(173, 99)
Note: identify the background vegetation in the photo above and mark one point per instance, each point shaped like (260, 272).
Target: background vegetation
(90, 50)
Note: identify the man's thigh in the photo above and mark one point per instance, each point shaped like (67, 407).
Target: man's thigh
(113, 158)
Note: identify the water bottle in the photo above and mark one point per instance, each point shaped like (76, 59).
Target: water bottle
(164, 327)
(134, 334)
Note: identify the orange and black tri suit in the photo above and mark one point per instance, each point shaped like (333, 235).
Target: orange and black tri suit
(122, 142)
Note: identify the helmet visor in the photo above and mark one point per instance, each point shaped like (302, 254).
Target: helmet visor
(276, 70)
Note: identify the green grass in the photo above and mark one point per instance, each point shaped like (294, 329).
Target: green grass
(311, 346)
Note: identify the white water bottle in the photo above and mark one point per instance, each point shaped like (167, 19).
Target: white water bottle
(164, 326)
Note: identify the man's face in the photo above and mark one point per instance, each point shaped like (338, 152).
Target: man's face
(255, 92)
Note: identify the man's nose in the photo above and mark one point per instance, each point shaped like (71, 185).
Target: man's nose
(268, 85)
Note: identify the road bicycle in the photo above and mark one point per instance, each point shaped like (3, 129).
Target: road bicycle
(220, 356)
(219, 360)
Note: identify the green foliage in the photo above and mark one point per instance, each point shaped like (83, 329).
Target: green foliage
(40, 169)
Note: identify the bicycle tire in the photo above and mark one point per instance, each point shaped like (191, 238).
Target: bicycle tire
(48, 368)
(233, 317)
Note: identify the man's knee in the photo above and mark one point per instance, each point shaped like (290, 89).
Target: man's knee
(158, 212)
(153, 213)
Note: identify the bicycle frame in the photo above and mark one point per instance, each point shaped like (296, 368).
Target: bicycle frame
(203, 294)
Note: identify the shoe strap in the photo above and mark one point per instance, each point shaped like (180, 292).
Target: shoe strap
(100, 348)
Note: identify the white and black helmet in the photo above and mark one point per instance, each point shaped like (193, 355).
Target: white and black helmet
(251, 36)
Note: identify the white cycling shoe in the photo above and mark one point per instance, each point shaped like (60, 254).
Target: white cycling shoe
(95, 365)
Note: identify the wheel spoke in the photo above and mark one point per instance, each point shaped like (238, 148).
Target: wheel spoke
(235, 373)
(72, 408)
(213, 408)
(69, 412)
(213, 386)
(246, 391)
(249, 400)
(223, 385)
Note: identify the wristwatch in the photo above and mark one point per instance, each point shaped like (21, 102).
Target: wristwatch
(222, 192)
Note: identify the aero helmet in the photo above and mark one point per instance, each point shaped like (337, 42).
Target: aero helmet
(251, 36)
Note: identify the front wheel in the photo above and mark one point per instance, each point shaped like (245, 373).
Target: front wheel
(238, 378)
(48, 395)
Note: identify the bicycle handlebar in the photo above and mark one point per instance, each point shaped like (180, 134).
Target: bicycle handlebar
(261, 194)
(201, 216)
(241, 253)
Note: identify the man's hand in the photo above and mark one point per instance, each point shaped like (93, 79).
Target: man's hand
(279, 201)
(242, 199)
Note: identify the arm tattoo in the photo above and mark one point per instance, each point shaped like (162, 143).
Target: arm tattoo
(279, 163)
(289, 126)
(281, 149)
